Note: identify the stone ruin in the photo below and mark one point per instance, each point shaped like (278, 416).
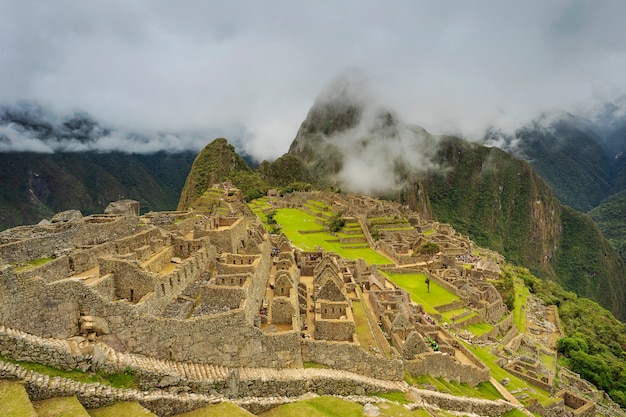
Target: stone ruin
(218, 290)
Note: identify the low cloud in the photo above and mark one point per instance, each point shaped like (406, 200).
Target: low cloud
(250, 71)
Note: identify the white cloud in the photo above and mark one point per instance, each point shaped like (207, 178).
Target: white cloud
(255, 68)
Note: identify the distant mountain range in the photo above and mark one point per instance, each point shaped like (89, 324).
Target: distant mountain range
(50, 164)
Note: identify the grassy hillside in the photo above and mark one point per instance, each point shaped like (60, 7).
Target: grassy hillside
(504, 205)
(219, 162)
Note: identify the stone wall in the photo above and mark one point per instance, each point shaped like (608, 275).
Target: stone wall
(541, 384)
(351, 357)
(223, 297)
(38, 247)
(97, 229)
(159, 260)
(282, 310)
(229, 239)
(509, 336)
(51, 271)
(339, 330)
(440, 364)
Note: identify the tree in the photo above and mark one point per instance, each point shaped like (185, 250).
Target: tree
(336, 223)
(428, 248)
(427, 281)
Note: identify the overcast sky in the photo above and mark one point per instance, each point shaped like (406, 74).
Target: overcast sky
(253, 69)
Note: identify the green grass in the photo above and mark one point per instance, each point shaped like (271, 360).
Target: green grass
(396, 396)
(33, 264)
(218, 410)
(314, 365)
(60, 407)
(484, 390)
(428, 232)
(479, 329)
(294, 220)
(117, 380)
(515, 383)
(514, 413)
(547, 360)
(336, 407)
(126, 409)
(521, 296)
(414, 284)
(14, 401)
(363, 330)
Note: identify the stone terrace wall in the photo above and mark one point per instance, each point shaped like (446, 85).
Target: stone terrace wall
(97, 229)
(439, 364)
(51, 271)
(38, 247)
(351, 357)
(48, 310)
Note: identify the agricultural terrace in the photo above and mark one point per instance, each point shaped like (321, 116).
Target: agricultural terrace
(516, 384)
(415, 285)
(305, 232)
(335, 407)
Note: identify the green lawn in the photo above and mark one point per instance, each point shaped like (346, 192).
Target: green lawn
(118, 380)
(60, 407)
(414, 284)
(336, 407)
(479, 329)
(218, 410)
(363, 330)
(126, 409)
(14, 401)
(295, 220)
(519, 312)
(484, 390)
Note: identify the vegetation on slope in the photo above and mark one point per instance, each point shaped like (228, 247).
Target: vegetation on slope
(595, 342)
(610, 216)
(35, 186)
(568, 155)
(504, 205)
(587, 264)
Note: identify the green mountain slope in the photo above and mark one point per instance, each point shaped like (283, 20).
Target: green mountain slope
(568, 155)
(34, 186)
(610, 216)
(219, 161)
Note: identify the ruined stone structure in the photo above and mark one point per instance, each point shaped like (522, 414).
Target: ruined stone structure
(210, 299)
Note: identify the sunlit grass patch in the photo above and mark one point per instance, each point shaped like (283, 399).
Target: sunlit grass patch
(478, 329)
(515, 383)
(417, 288)
(363, 330)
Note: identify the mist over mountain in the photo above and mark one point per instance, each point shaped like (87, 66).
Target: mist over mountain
(31, 127)
(351, 143)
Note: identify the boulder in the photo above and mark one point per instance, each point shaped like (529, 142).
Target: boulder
(123, 207)
(67, 216)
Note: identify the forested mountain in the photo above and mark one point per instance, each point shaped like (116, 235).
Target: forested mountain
(50, 164)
